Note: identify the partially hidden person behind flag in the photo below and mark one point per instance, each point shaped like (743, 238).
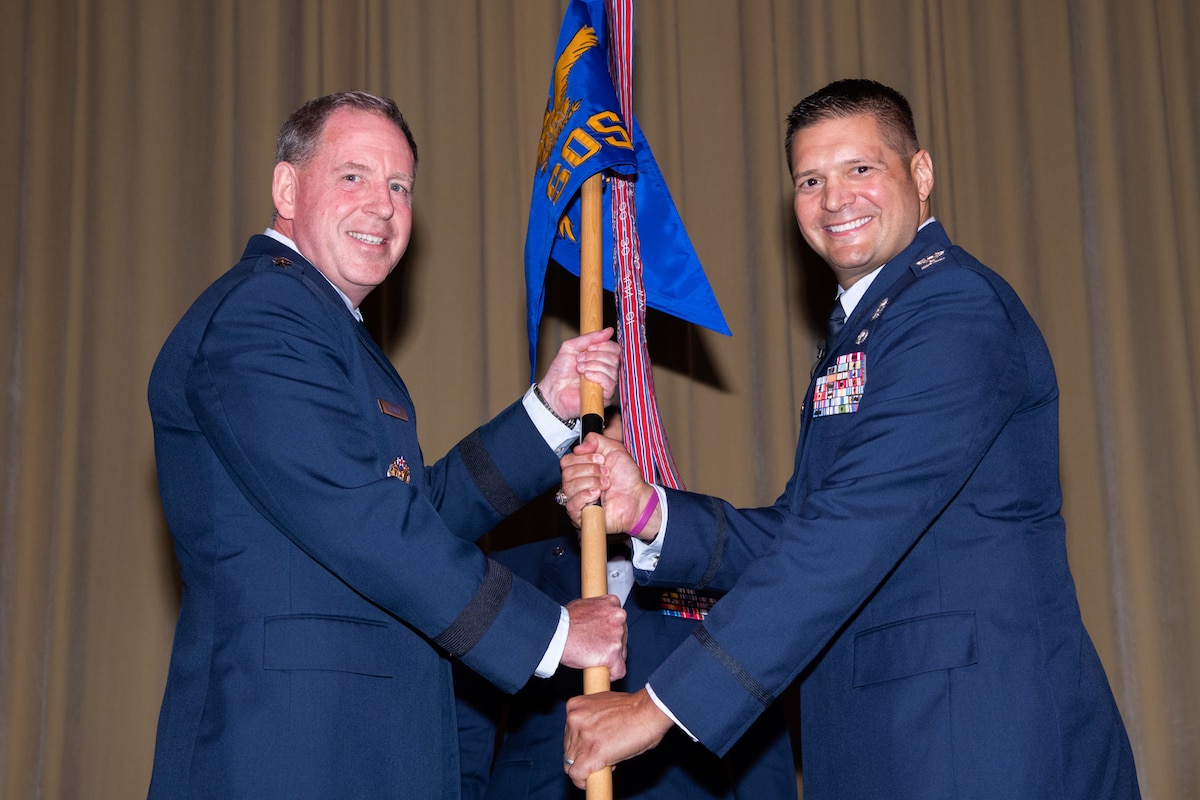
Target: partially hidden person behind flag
(330, 573)
(511, 746)
(913, 574)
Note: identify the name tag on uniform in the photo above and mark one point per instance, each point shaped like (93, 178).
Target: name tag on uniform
(393, 410)
(840, 389)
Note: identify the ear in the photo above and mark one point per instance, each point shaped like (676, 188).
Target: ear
(284, 185)
(921, 168)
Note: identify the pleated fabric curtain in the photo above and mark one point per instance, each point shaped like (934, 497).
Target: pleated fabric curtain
(135, 159)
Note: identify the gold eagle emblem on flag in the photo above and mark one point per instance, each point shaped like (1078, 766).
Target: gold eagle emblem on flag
(559, 107)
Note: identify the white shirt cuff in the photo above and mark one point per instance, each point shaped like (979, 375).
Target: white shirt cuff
(645, 554)
(558, 436)
(558, 644)
(667, 711)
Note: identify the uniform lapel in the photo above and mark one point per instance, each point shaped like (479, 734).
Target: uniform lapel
(929, 238)
(321, 286)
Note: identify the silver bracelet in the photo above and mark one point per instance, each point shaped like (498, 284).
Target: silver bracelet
(570, 423)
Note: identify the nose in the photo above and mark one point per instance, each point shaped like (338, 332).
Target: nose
(837, 195)
(380, 201)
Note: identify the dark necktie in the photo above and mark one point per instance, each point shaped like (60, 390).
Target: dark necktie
(837, 318)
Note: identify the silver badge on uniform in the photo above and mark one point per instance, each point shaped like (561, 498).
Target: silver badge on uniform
(931, 259)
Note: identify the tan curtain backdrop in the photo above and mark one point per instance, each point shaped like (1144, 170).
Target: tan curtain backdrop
(135, 160)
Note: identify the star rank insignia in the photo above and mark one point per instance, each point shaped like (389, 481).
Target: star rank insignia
(399, 469)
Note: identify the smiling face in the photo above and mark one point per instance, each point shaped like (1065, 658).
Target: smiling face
(857, 201)
(348, 208)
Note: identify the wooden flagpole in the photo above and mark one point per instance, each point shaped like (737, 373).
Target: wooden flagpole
(593, 541)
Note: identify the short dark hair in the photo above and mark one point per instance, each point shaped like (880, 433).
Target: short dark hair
(853, 96)
(298, 137)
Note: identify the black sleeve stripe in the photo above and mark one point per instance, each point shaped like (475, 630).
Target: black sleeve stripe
(739, 673)
(718, 549)
(474, 620)
(487, 477)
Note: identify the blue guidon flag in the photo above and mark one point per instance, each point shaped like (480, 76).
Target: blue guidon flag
(583, 133)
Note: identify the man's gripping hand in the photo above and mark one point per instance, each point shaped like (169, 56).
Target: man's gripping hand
(596, 636)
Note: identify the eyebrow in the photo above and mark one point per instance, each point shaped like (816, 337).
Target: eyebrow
(354, 166)
(849, 162)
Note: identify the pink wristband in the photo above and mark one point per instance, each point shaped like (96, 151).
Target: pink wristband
(646, 514)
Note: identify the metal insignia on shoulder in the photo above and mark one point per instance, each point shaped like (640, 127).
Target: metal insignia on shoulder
(399, 469)
(862, 336)
(281, 262)
(931, 259)
(879, 309)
